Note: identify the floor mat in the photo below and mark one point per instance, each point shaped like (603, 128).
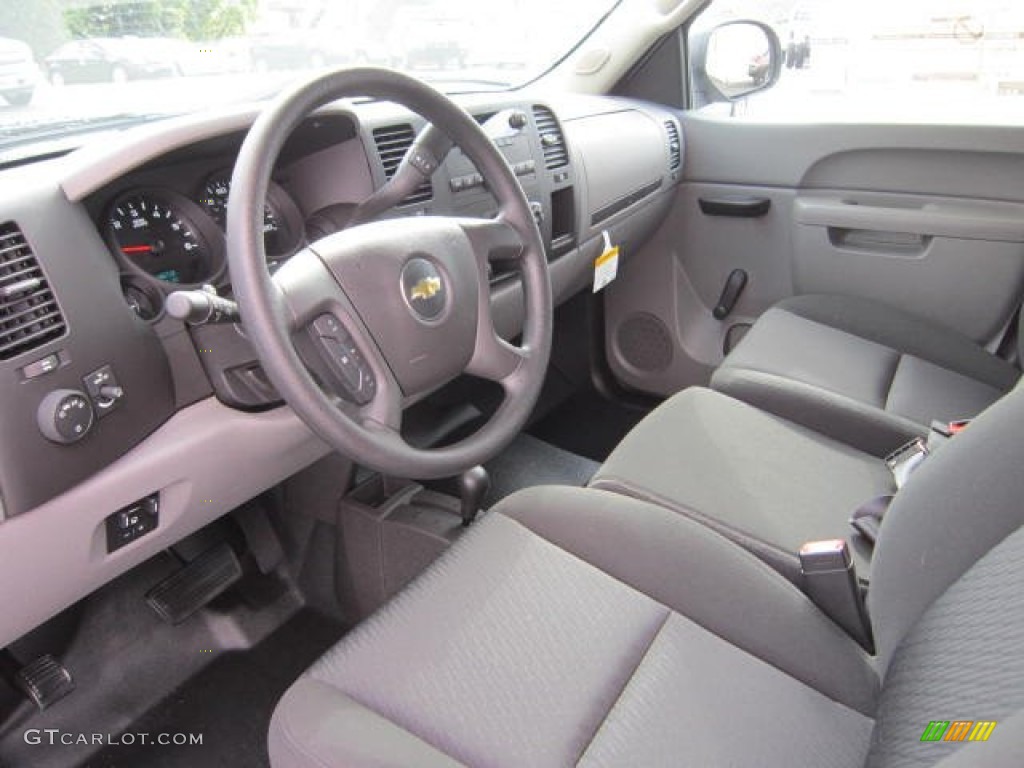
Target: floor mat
(587, 424)
(229, 703)
(529, 461)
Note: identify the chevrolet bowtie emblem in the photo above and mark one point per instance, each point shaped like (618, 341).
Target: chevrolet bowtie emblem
(426, 289)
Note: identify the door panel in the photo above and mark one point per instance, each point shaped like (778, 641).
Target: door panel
(927, 218)
(956, 262)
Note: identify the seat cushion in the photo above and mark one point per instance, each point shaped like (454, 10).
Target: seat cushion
(761, 480)
(528, 644)
(860, 371)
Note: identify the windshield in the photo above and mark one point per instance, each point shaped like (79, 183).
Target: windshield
(72, 67)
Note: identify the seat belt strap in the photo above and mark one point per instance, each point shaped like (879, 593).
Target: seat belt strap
(867, 518)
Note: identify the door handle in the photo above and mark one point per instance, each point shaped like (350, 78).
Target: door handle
(738, 206)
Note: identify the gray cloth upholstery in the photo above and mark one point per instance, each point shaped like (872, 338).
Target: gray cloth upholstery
(862, 372)
(758, 479)
(960, 503)
(690, 679)
(512, 651)
(689, 568)
(961, 661)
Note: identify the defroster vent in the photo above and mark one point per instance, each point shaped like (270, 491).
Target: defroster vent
(392, 143)
(675, 145)
(552, 141)
(29, 314)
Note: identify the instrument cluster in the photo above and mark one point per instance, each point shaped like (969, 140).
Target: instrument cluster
(164, 239)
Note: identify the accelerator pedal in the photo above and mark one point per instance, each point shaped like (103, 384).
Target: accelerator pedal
(186, 591)
(45, 681)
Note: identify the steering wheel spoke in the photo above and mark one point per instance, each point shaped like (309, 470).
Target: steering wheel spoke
(334, 344)
(497, 360)
(493, 357)
(493, 239)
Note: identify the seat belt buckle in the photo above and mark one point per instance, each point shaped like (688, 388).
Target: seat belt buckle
(948, 429)
(906, 459)
(830, 581)
(958, 426)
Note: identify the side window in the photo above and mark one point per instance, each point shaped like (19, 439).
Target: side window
(924, 61)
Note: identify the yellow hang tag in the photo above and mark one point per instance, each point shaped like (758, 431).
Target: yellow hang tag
(606, 266)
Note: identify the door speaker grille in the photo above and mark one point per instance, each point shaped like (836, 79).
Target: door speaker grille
(644, 342)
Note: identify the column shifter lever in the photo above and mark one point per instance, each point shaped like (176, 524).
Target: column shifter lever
(473, 486)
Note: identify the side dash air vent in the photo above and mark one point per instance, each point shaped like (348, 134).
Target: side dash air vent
(552, 142)
(29, 315)
(392, 143)
(675, 146)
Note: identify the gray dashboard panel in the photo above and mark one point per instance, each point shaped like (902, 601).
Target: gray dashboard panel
(622, 152)
(95, 166)
(204, 462)
(102, 331)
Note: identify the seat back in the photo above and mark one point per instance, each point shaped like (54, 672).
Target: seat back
(946, 598)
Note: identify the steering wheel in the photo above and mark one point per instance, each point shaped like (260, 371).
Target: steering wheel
(359, 324)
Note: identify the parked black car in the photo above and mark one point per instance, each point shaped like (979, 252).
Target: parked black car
(109, 60)
(297, 49)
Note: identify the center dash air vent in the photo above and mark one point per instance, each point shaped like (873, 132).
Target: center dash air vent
(392, 143)
(29, 315)
(552, 142)
(675, 146)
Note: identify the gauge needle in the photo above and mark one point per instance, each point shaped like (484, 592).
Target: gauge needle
(136, 249)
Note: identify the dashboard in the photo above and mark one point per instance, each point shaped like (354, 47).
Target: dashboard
(108, 404)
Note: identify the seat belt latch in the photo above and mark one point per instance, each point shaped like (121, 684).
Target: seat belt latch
(830, 580)
(906, 459)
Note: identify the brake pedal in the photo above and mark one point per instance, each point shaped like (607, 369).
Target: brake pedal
(45, 681)
(183, 593)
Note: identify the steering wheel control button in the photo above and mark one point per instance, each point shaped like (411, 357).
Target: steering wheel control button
(328, 327)
(65, 416)
(103, 390)
(41, 367)
(133, 521)
(424, 289)
(344, 359)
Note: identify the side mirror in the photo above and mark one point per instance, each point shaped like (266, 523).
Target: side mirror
(733, 60)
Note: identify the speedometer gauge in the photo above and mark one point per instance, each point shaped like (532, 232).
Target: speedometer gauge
(153, 232)
(281, 219)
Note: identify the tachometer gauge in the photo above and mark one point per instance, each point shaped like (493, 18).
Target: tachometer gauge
(281, 235)
(156, 232)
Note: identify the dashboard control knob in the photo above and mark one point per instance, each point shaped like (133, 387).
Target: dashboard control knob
(517, 119)
(65, 416)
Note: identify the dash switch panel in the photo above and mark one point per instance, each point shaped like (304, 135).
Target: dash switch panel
(133, 521)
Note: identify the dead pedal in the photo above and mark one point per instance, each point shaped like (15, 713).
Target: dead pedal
(186, 591)
(45, 681)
